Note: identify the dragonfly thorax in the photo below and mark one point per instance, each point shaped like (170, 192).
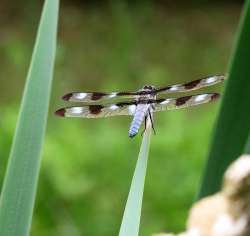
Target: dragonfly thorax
(146, 93)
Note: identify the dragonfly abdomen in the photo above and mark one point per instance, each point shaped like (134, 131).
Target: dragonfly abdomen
(139, 116)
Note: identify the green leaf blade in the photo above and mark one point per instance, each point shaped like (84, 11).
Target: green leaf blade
(233, 123)
(132, 214)
(19, 188)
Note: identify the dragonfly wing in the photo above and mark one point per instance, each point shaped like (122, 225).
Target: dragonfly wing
(182, 102)
(97, 111)
(193, 85)
(92, 97)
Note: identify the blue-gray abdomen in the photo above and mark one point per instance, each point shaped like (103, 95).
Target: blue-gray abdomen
(140, 113)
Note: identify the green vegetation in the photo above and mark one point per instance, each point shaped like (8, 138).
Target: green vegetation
(132, 214)
(19, 188)
(88, 165)
(233, 125)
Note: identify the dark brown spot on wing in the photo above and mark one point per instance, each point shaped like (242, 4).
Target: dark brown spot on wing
(215, 96)
(67, 96)
(95, 109)
(192, 84)
(97, 96)
(182, 100)
(60, 112)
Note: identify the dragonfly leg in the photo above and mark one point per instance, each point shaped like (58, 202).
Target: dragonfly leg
(145, 125)
(152, 122)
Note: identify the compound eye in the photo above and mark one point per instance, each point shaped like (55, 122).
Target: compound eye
(147, 87)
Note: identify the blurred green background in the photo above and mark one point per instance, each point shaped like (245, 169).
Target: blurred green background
(87, 165)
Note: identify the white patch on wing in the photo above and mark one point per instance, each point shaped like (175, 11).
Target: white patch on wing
(76, 110)
(165, 102)
(113, 107)
(80, 95)
(211, 79)
(200, 98)
(131, 109)
(112, 95)
(174, 87)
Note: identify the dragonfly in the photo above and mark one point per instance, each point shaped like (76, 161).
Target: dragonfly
(140, 104)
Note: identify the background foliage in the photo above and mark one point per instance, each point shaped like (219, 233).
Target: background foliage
(87, 164)
(232, 129)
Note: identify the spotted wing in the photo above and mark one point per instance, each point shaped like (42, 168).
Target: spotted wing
(92, 97)
(193, 85)
(97, 111)
(186, 101)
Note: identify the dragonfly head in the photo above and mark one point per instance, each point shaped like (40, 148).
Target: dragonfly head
(149, 87)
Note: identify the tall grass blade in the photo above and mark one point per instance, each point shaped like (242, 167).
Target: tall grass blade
(247, 147)
(132, 214)
(233, 123)
(20, 182)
